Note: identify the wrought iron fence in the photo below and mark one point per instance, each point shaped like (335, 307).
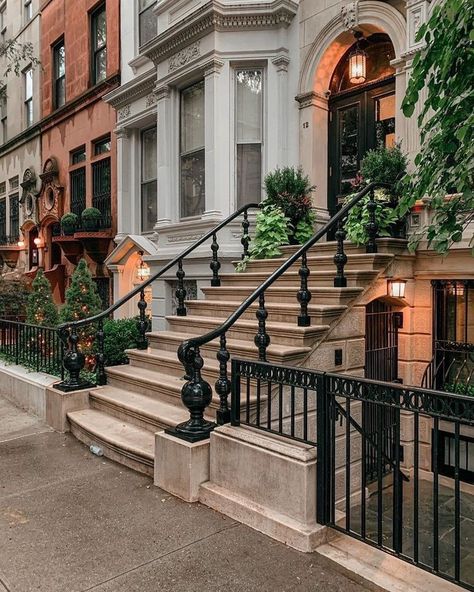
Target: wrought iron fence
(101, 190)
(37, 348)
(452, 368)
(415, 510)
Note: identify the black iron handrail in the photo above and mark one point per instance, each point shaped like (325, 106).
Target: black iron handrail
(74, 360)
(197, 393)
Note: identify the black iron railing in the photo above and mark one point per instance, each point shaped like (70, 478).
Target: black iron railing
(101, 190)
(410, 512)
(196, 392)
(35, 347)
(451, 368)
(78, 191)
(70, 333)
(9, 240)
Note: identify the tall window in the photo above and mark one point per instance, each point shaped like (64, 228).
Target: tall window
(99, 44)
(3, 115)
(28, 82)
(192, 153)
(78, 190)
(148, 181)
(59, 75)
(3, 22)
(147, 21)
(28, 10)
(3, 221)
(101, 190)
(14, 218)
(249, 135)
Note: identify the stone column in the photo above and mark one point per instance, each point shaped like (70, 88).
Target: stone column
(281, 63)
(119, 289)
(168, 192)
(216, 142)
(314, 146)
(125, 207)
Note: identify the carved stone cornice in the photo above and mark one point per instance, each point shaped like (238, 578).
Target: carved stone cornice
(281, 62)
(122, 133)
(213, 66)
(162, 92)
(183, 57)
(139, 87)
(350, 15)
(312, 99)
(216, 16)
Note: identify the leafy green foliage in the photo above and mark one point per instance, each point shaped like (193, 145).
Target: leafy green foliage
(120, 335)
(13, 297)
(460, 388)
(359, 217)
(41, 309)
(69, 223)
(91, 214)
(82, 298)
(271, 232)
(384, 165)
(305, 228)
(15, 56)
(445, 164)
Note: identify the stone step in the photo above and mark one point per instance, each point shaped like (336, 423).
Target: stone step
(277, 294)
(321, 314)
(361, 261)
(123, 442)
(283, 354)
(167, 362)
(355, 278)
(380, 571)
(280, 333)
(145, 412)
(324, 247)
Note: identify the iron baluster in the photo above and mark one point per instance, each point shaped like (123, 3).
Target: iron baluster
(101, 376)
(142, 323)
(304, 295)
(371, 226)
(215, 264)
(223, 386)
(245, 235)
(74, 361)
(340, 258)
(196, 395)
(262, 339)
(180, 291)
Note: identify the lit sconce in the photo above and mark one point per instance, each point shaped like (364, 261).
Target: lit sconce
(396, 288)
(143, 271)
(37, 242)
(21, 244)
(357, 62)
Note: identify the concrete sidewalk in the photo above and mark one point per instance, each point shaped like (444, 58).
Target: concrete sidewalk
(72, 522)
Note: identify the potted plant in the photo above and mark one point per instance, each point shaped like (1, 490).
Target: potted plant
(69, 223)
(382, 165)
(290, 190)
(91, 219)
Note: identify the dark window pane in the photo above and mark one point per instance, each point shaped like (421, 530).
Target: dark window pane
(78, 155)
(101, 190)
(349, 147)
(249, 173)
(100, 27)
(3, 221)
(192, 184)
(102, 146)
(101, 65)
(149, 205)
(14, 218)
(60, 92)
(148, 24)
(78, 191)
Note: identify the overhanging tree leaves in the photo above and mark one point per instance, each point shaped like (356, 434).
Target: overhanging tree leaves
(15, 55)
(445, 164)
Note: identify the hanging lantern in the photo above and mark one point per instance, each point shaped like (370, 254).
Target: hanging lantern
(396, 287)
(357, 63)
(143, 271)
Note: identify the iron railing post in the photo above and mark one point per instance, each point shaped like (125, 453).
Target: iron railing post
(323, 465)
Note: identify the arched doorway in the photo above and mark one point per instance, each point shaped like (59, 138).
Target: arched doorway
(361, 115)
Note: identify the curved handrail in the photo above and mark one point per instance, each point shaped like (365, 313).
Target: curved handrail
(164, 269)
(225, 326)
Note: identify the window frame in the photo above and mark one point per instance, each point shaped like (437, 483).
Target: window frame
(148, 181)
(56, 78)
(95, 50)
(139, 15)
(101, 141)
(4, 116)
(28, 100)
(27, 11)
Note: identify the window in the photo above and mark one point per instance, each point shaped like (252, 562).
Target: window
(14, 218)
(3, 23)
(101, 190)
(446, 458)
(3, 221)
(147, 21)
(148, 181)
(249, 135)
(3, 188)
(28, 10)
(102, 146)
(99, 45)
(14, 182)
(78, 155)
(28, 82)
(78, 190)
(192, 153)
(59, 76)
(3, 115)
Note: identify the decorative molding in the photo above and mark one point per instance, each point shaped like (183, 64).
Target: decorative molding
(281, 62)
(183, 57)
(183, 238)
(151, 100)
(213, 66)
(312, 99)
(124, 112)
(217, 16)
(416, 15)
(162, 92)
(139, 87)
(350, 15)
(122, 133)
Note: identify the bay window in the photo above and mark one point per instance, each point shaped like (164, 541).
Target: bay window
(192, 151)
(249, 134)
(149, 179)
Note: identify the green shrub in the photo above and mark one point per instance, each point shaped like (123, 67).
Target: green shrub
(13, 297)
(40, 308)
(305, 228)
(120, 335)
(271, 232)
(69, 223)
(91, 218)
(384, 165)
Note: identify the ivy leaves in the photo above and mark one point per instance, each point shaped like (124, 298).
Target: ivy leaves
(443, 78)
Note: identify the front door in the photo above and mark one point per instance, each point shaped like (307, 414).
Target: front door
(359, 120)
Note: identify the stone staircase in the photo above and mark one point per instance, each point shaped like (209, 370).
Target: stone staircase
(144, 397)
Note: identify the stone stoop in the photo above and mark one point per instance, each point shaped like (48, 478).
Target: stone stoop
(380, 571)
(143, 398)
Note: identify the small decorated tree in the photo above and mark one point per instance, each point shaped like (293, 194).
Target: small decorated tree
(40, 308)
(82, 298)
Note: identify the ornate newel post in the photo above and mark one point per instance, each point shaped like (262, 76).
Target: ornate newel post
(142, 323)
(223, 386)
(100, 355)
(74, 362)
(196, 396)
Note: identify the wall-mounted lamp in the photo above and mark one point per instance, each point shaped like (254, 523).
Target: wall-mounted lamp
(38, 242)
(396, 287)
(21, 244)
(143, 271)
(358, 62)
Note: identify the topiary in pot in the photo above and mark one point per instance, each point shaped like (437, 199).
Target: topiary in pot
(91, 219)
(69, 223)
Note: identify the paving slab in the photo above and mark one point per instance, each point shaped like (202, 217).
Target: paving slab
(71, 522)
(15, 424)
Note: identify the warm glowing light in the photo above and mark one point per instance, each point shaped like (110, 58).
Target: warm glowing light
(21, 244)
(143, 271)
(37, 242)
(358, 63)
(396, 288)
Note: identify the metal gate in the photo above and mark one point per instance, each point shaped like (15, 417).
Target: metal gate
(381, 363)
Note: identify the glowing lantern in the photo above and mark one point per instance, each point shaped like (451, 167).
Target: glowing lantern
(396, 288)
(357, 63)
